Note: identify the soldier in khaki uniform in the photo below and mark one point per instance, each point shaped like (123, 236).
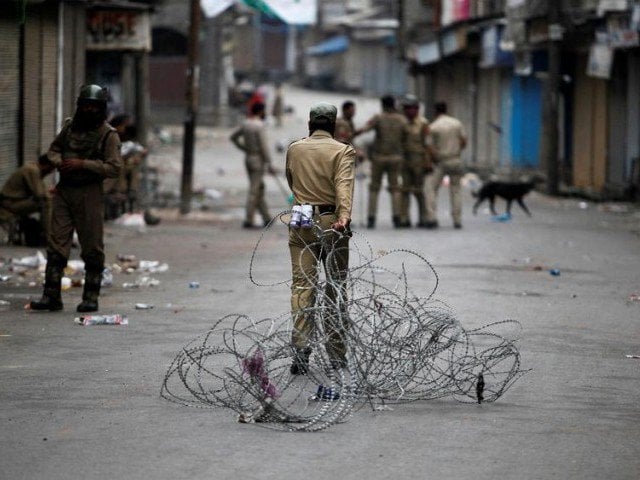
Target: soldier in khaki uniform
(86, 151)
(320, 172)
(344, 124)
(417, 162)
(250, 138)
(447, 140)
(386, 157)
(25, 193)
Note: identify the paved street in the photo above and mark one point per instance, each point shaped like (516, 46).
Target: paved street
(83, 402)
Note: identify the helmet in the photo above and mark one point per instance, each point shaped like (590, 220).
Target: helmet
(95, 93)
(410, 101)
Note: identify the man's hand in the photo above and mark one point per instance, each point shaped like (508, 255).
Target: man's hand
(341, 225)
(71, 164)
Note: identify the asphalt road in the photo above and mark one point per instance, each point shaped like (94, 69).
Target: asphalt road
(83, 402)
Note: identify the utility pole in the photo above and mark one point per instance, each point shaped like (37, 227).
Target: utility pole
(550, 138)
(193, 76)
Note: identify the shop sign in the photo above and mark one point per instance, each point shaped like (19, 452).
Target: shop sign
(620, 32)
(612, 6)
(600, 61)
(491, 54)
(454, 40)
(427, 53)
(118, 30)
(455, 11)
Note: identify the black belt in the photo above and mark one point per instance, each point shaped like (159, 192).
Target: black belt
(321, 209)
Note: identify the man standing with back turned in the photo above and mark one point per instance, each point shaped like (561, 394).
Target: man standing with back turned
(320, 172)
(251, 139)
(448, 139)
(86, 151)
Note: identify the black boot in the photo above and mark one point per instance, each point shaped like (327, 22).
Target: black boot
(300, 364)
(371, 222)
(396, 221)
(91, 292)
(51, 299)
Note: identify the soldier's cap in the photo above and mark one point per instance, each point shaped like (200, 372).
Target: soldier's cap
(323, 110)
(410, 101)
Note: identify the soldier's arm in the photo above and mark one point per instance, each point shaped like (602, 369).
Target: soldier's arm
(264, 149)
(463, 137)
(287, 171)
(112, 164)
(344, 176)
(55, 149)
(36, 185)
(370, 125)
(235, 138)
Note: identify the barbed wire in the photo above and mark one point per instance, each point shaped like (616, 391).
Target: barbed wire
(403, 345)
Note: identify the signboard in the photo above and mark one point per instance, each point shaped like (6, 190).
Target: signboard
(621, 32)
(454, 40)
(427, 53)
(491, 54)
(118, 30)
(455, 11)
(600, 61)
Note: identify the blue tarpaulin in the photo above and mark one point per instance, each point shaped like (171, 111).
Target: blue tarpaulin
(337, 44)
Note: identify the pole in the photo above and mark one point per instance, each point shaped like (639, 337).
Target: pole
(193, 74)
(550, 136)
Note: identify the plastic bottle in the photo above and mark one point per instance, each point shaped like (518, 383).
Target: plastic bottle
(306, 221)
(295, 216)
(89, 320)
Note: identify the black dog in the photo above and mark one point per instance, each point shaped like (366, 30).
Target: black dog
(510, 191)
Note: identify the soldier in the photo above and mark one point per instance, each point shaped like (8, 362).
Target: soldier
(386, 157)
(25, 193)
(447, 140)
(320, 172)
(86, 151)
(344, 125)
(417, 161)
(250, 138)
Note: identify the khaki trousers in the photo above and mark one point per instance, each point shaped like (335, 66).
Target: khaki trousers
(308, 249)
(413, 176)
(255, 197)
(392, 167)
(79, 208)
(27, 206)
(454, 169)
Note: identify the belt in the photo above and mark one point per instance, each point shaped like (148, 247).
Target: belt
(321, 209)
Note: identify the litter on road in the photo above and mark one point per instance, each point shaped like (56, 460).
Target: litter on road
(91, 320)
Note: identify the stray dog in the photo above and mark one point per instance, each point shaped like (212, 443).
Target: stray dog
(510, 191)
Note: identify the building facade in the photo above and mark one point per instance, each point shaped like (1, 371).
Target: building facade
(489, 59)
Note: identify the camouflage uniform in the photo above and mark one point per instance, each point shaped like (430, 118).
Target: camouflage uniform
(386, 157)
(415, 169)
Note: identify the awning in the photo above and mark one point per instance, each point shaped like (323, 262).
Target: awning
(337, 44)
(292, 12)
(213, 8)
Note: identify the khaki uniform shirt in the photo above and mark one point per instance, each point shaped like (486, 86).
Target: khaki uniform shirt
(250, 137)
(321, 171)
(25, 183)
(99, 148)
(415, 139)
(446, 134)
(390, 131)
(344, 130)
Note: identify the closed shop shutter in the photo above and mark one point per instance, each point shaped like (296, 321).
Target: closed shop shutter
(9, 98)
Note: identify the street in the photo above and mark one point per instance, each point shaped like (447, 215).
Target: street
(84, 402)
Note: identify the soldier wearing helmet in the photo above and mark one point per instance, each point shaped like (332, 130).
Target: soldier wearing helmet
(85, 152)
(417, 162)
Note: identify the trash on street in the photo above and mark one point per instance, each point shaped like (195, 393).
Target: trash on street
(143, 306)
(90, 320)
